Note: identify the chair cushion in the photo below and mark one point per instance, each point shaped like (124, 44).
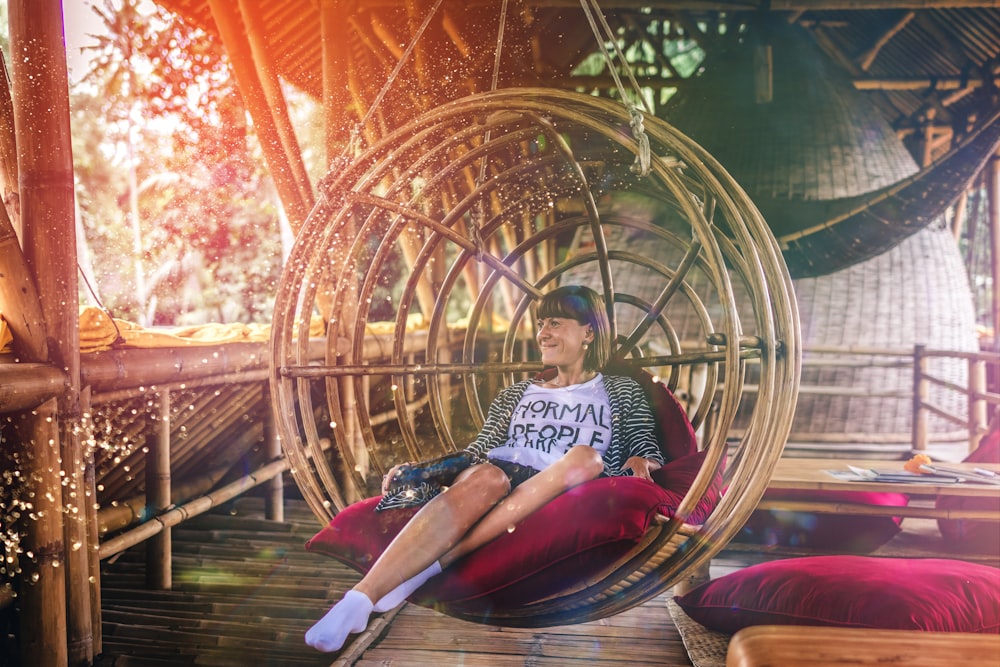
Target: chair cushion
(852, 591)
(570, 539)
(816, 530)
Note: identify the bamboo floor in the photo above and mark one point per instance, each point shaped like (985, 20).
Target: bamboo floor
(245, 591)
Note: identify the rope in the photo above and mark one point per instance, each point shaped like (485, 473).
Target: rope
(346, 157)
(399, 64)
(643, 157)
(477, 235)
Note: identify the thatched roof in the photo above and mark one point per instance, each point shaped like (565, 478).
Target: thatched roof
(899, 81)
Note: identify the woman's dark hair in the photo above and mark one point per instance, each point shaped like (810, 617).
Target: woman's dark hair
(576, 302)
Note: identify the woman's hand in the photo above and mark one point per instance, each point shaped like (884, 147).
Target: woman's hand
(392, 474)
(641, 467)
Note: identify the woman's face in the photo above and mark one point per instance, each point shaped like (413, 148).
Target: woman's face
(561, 340)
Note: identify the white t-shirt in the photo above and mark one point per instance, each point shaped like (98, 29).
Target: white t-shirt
(548, 421)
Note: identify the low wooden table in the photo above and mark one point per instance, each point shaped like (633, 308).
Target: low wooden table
(812, 646)
(810, 475)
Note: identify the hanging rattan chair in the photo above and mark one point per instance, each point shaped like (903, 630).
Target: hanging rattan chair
(423, 258)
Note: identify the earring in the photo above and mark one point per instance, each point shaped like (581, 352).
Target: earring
(586, 345)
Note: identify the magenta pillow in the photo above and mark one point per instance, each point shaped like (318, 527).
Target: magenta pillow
(970, 534)
(574, 537)
(820, 530)
(673, 429)
(676, 477)
(588, 526)
(852, 591)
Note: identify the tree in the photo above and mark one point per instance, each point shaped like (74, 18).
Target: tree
(169, 175)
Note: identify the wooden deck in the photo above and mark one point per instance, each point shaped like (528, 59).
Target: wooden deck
(245, 591)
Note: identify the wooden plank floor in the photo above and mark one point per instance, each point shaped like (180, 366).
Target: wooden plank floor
(245, 591)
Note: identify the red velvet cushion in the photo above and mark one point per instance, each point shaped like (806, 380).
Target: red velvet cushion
(676, 477)
(852, 591)
(970, 534)
(573, 537)
(842, 532)
(673, 429)
(606, 516)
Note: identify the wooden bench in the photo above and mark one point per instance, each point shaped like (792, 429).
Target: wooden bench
(812, 646)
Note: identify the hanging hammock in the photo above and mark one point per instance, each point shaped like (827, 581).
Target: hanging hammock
(424, 255)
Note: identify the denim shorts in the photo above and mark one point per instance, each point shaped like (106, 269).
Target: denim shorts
(516, 473)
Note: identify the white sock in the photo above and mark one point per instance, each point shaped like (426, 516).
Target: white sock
(395, 597)
(349, 615)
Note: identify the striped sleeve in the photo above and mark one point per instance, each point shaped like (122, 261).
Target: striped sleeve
(632, 428)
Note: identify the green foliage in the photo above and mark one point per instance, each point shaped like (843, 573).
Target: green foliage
(180, 217)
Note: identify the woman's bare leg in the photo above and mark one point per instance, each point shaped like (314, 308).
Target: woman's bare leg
(580, 464)
(433, 531)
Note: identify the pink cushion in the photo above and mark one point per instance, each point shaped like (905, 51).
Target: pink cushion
(840, 532)
(970, 534)
(570, 539)
(606, 516)
(673, 429)
(852, 591)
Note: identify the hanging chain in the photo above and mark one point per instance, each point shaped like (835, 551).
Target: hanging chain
(593, 12)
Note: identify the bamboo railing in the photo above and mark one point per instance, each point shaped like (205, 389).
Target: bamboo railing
(981, 403)
(970, 425)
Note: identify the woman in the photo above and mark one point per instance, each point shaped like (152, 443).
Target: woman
(541, 438)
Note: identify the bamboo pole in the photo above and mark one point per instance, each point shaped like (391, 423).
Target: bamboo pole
(124, 513)
(90, 513)
(114, 370)
(271, 86)
(958, 219)
(43, 590)
(25, 386)
(993, 194)
(978, 409)
(193, 508)
(8, 150)
(45, 169)
(919, 399)
(274, 500)
(158, 498)
(227, 19)
(336, 93)
(18, 296)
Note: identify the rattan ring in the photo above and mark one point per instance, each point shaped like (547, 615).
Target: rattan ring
(425, 253)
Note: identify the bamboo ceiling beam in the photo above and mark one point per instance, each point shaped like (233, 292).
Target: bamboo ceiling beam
(734, 5)
(867, 58)
(271, 84)
(938, 83)
(230, 26)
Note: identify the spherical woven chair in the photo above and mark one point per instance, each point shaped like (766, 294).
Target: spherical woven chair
(424, 256)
